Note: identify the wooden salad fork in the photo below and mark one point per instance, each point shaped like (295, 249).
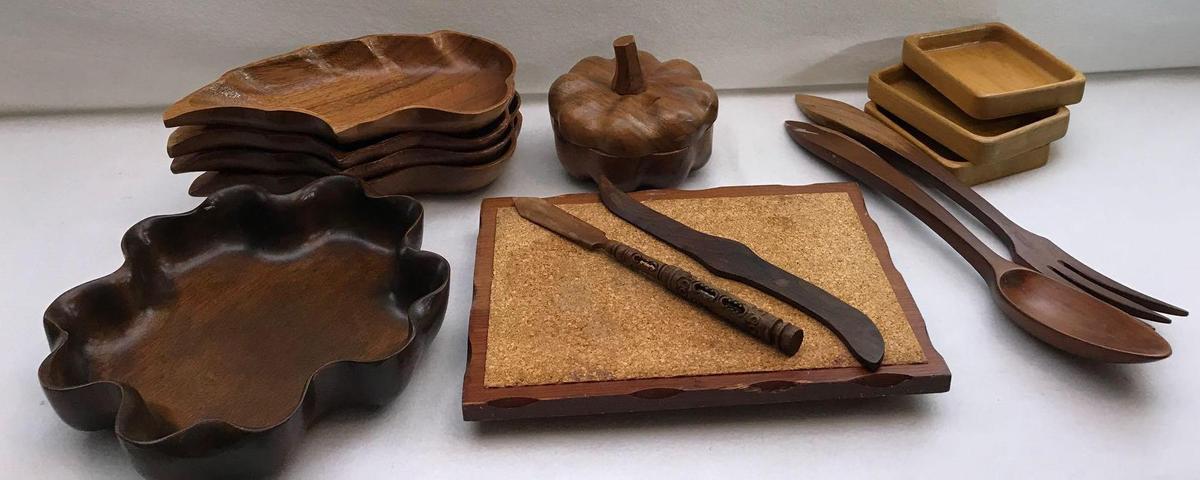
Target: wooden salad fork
(1066, 318)
(1027, 248)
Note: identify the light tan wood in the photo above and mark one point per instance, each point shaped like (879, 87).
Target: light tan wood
(362, 89)
(990, 71)
(904, 94)
(969, 173)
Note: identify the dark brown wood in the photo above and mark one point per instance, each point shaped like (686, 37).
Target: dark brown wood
(1061, 316)
(734, 311)
(627, 80)
(209, 183)
(659, 170)
(230, 328)
(731, 259)
(269, 162)
(252, 161)
(415, 157)
(636, 120)
(586, 398)
(422, 179)
(200, 138)
(744, 316)
(1027, 248)
(362, 89)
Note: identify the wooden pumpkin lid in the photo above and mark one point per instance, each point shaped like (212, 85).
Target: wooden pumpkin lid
(633, 105)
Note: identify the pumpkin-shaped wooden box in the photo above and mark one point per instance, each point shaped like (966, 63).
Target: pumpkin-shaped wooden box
(638, 121)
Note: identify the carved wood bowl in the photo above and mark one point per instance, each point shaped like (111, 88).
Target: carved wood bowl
(196, 139)
(362, 89)
(636, 120)
(428, 178)
(231, 327)
(655, 170)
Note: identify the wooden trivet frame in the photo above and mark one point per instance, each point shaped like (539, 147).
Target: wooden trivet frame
(480, 403)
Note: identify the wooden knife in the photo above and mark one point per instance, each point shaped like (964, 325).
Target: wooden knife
(738, 313)
(730, 259)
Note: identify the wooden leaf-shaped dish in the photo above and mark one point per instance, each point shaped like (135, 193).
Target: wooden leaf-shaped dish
(361, 89)
(422, 179)
(193, 139)
(231, 327)
(271, 162)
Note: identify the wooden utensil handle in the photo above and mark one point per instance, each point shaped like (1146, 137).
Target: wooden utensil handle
(863, 127)
(868, 168)
(746, 317)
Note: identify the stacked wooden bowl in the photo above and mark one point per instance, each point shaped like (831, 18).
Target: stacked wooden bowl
(983, 100)
(404, 114)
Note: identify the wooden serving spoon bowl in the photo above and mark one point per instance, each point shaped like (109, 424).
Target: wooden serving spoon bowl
(1062, 316)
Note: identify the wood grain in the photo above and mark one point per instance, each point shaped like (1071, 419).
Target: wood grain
(230, 328)
(362, 89)
(991, 71)
(194, 139)
(1055, 313)
(410, 180)
(634, 119)
(592, 397)
(728, 258)
(904, 94)
(967, 172)
(877, 127)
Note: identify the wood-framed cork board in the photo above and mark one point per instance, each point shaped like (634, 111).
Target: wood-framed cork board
(557, 330)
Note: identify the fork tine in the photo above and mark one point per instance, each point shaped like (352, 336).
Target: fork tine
(1098, 291)
(1116, 287)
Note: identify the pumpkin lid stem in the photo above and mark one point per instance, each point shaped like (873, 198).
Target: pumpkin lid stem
(628, 78)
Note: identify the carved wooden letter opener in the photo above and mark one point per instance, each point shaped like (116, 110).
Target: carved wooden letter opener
(736, 312)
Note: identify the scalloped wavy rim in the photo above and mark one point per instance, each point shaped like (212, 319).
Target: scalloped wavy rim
(173, 119)
(234, 197)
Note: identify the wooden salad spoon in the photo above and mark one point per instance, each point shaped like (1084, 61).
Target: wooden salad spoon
(1028, 248)
(1064, 317)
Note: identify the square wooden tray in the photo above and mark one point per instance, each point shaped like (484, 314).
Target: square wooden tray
(969, 173)
(480, 402)
(904, 94)
(990, 71)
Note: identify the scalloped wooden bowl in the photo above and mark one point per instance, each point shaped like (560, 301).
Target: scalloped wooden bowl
(230, 328)
(356, 90)
(195, 139)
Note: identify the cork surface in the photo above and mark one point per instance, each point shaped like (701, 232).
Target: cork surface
(562, 314)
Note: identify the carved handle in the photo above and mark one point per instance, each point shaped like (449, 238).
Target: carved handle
(741, 314)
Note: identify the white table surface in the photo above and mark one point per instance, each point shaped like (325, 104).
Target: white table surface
(1120, 193)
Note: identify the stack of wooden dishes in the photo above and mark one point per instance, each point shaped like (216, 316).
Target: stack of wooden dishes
(983, 100)
(404, 114)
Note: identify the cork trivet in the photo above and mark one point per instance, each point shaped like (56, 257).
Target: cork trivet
(561, 314)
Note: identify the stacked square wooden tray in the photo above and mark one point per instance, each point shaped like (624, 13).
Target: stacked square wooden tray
(983, 100)
(404, 114)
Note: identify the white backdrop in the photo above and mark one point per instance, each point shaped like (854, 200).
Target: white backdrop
(86, 54)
